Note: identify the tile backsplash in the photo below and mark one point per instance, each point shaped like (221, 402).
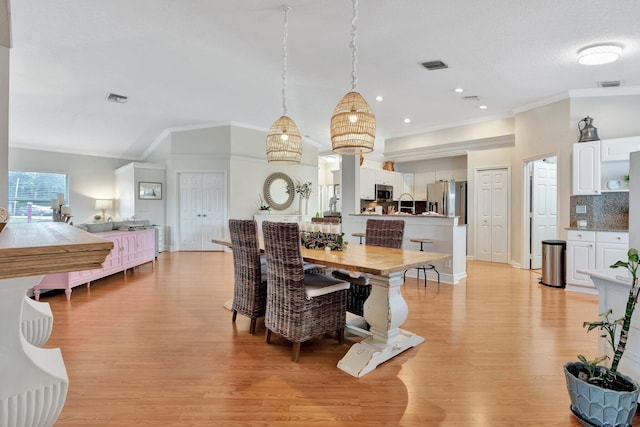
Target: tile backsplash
(604, 211)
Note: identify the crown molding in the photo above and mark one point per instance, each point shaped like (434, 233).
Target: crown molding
(461, 148)
(580, 93)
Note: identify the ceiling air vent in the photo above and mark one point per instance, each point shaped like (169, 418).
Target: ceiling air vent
(471, 98)
(434, 65)
(120, 99)
(612, 83)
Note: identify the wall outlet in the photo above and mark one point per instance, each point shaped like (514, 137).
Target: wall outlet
(581, 209)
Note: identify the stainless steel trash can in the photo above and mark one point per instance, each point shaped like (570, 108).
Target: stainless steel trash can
(553, 263)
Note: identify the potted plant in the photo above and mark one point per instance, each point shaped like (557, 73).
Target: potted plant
(263, 207)
(599, 395)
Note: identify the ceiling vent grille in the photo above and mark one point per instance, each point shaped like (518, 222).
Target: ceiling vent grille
(120, 99)
(434, 65)
(471, 98)
(611, 83)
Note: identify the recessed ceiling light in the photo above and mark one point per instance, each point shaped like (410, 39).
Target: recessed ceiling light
(599, 54)
(458, 90)
(483, 107)
(379, 98)
(407, 120)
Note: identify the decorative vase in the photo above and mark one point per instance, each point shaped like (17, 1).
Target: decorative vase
(306, 206)
(300, 205)
(598, 406)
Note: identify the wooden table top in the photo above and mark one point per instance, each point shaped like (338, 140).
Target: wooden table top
(366, 259)
(30, 249)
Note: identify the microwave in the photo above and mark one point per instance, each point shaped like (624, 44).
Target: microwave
(384, 193)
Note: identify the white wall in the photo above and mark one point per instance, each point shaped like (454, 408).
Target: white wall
(90, 177)
(541, 132)
(4, 125)
(238, 152)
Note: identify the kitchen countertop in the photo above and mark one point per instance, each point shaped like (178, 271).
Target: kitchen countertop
(597, 229)
(402, 215)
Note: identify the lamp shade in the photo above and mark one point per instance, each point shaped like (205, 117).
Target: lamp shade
(284, 142)
(103, 204)
(353, 126)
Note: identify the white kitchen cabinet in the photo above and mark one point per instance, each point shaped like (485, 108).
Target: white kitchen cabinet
(581, 255)
(619, 148)
(398, 185)
(459, 175)
(586, 168)
(385, 177)
(420, 184)
(367, 184)
(591, 250)
(610, 247)
(407, 183)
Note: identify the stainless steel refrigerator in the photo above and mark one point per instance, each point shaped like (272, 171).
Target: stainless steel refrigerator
(448, 198)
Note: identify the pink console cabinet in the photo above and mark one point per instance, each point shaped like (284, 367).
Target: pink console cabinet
(130, 249)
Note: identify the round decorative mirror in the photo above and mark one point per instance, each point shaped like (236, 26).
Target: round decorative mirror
(278, 191)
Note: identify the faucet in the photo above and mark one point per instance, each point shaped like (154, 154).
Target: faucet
(406, 194)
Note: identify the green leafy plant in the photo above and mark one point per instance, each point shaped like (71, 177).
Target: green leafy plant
(262, 205)
(609, 327)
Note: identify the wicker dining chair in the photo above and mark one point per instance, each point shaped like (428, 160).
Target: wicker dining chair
(379, 232)
(250, 286)
(299, 306)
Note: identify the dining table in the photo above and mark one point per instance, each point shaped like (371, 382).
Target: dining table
(385, 310)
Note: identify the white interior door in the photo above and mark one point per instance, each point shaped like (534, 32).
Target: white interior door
(492, 224)
(483, 228)
(202, 215)
(543, 208)
(499, 216)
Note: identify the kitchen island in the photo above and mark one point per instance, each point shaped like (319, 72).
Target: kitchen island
(448, 237)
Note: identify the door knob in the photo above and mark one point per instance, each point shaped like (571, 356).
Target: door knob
(204, 215)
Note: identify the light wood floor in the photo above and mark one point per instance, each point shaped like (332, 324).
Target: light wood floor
(159, 349)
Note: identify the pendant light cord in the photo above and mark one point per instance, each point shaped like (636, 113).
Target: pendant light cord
(285, 10)
(354, 47)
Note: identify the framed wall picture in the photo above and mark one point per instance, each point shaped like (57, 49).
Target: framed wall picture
(150, 190)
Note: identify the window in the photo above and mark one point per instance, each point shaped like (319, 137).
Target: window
(30, 194)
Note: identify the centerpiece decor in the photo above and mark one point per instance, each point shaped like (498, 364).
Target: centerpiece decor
(321, 240)
(601, 396)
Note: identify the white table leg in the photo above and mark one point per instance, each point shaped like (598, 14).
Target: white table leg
(37, 321)
(34, 381)
(385, 310)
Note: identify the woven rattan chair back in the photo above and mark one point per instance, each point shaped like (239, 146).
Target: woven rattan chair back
(249, 291)
(285, 271)
(289, 312)
(387, 233)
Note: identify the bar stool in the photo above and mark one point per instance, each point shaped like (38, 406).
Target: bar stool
(424, 268)
(360, 235)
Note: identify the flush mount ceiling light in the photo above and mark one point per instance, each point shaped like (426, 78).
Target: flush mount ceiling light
(284, 142)
(353, 125)
(599, 54)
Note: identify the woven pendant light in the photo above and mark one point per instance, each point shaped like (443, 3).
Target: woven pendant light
(353, 125)
(284, 142)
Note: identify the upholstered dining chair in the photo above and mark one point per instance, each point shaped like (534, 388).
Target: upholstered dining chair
(299, 305)
(250, 286)
(379, 232)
